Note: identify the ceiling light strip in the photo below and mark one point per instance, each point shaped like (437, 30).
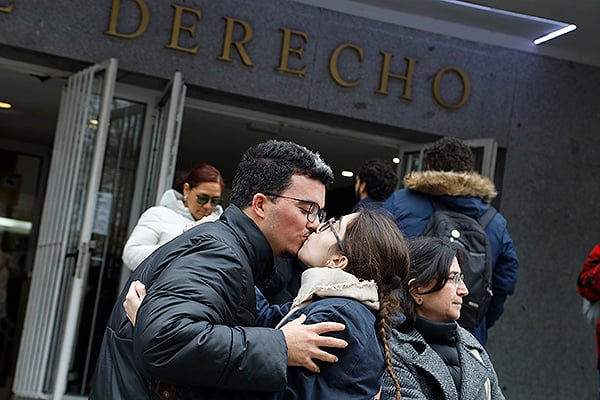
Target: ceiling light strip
(555, 34)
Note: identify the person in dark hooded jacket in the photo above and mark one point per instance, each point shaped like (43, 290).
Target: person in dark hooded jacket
(195, 336)
(450, 180)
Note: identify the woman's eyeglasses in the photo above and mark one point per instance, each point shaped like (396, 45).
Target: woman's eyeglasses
(329, 225)
(312, 213)
(202, 199)
(456, 278)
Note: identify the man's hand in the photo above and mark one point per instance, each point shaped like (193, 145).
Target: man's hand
(304, 342)
(133, 299)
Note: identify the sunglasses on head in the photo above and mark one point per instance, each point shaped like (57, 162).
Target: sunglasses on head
(202, 199)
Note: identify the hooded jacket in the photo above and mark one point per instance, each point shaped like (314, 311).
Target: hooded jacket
(157, 225)
(423, 375)
(195, 330)
(334, 295)
(468, 193)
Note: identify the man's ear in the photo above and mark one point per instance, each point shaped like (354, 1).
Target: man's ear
(362, 187)
(259, 204)
(337, 261)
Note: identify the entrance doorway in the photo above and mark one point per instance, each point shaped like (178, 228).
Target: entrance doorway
(103, 149)
(22, 181)
(210, 132)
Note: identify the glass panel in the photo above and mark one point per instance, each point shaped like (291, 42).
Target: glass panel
(21, 177)
(109, 233)
(478, 158)
(413, 161)
(53, 306)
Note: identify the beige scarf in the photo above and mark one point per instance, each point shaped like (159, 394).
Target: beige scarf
(333, 282)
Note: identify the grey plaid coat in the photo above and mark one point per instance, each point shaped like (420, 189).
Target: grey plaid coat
(424, 376)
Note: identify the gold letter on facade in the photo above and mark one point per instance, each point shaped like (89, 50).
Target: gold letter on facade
(239, 44)
(8, 9)
(114, 18)
(285, 50)
(177, 27)
(386, 74)
(333, 64)
(465, 83)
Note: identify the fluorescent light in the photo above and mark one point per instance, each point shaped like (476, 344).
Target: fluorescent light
(555, 34)
(15, 225)
(563, 27)
(348, 174)
(5, 106)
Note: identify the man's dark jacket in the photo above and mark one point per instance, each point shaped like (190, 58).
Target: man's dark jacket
(196, 327)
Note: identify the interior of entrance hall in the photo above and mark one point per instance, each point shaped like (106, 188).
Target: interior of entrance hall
(218, 135)
(210, 133)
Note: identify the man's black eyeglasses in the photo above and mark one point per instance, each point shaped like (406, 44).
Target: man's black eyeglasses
(313, 212)
(329, 225)
(202, 199)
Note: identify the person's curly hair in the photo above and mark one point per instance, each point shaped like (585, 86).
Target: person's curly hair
(379, 177)
(449, 154)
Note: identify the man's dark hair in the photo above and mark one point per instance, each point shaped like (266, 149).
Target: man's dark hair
(268, 168)
(449, 154)
(379, 177)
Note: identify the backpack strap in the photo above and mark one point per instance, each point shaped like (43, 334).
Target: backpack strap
(487, 216)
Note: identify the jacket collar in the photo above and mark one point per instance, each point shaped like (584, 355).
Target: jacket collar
(414, 349)
(252, 240)
(333, 282)
(173, 200)
(439, 183)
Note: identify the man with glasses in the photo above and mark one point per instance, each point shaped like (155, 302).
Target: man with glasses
(195, 334)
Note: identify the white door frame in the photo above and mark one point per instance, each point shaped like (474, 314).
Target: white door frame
(488, 166)
(48, 280)
(78, 282)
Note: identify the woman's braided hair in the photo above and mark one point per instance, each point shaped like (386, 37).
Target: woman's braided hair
(377, 250)
(389, 307)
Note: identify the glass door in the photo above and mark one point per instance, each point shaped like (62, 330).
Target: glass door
(64, 239)
(165, 141)
(103, 151)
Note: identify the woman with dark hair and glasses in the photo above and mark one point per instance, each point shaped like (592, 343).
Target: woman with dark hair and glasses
(195, 197)
(356, 268)
(432, 356)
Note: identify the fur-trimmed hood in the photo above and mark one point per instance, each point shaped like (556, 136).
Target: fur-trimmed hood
(439, 183)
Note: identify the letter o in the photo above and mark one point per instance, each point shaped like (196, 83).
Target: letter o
(466, 83)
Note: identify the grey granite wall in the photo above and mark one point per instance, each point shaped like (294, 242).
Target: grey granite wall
(77, 32)
(546, 113)
(542, 347)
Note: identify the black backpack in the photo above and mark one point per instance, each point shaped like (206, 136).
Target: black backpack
(469, 237)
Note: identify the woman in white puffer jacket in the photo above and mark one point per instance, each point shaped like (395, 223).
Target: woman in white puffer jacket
(195, 197)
